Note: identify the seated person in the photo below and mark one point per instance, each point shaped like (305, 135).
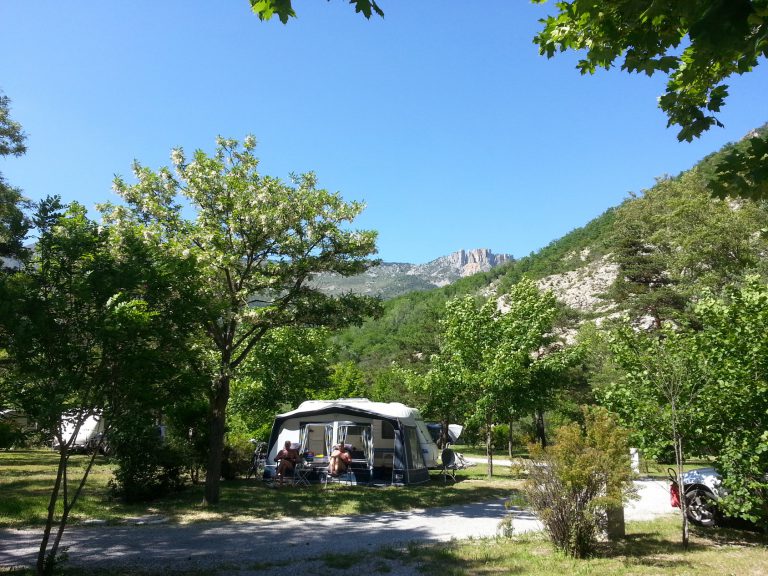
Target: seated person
(339, 460)
(286, 459)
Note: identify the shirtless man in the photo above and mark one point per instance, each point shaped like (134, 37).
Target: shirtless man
(286, 460)
(339, 460)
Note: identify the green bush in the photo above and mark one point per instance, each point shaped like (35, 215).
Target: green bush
(11, 435)
(147, 467)
(572, 483)
(236, 457)
(521, 437)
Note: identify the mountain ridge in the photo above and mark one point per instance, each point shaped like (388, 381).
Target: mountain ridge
(391, 279)
(648, 257)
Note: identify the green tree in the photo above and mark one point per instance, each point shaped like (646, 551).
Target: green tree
(734, 345)
(255, 242)
(491, 353)
(704, 391)
(346, 380)
(698, 44)
(675, 241)
(14, 222)
(89, 331)
(287, 366)
(442, 394)
(661, 395)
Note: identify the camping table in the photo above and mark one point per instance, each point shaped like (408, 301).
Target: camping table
(301, 474)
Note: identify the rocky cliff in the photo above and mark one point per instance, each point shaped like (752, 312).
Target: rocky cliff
(446, 269)
(392, 279)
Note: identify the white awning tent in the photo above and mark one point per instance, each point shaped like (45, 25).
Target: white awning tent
(391, 437)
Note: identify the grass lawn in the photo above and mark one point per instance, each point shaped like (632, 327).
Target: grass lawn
(650, 548)
(26, 478)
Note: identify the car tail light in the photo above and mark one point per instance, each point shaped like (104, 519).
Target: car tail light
(674, 495)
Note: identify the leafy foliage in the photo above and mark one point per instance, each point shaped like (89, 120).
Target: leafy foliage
(12, 136)
(149, 468)
(698, 44)
(734, 345)
(724, 38)
(14, 221)
(743, 170)
(675, 241)
(288, 365)
(254, 243)
(492, 362)
(90, 329)
(572, 483)
(706, 390)
(265, 9)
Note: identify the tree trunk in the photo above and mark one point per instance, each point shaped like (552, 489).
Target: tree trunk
(541, 431)
(616, 529)
(489, 445)
(218, 406)
(42, 565)
(679, 461)
(510, 439)
(445, 438)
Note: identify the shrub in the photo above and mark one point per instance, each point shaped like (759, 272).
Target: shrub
(236, 457)
(147, 467)
(11, 435)
(573, 482)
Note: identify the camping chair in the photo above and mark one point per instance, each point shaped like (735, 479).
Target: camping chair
(449, 464)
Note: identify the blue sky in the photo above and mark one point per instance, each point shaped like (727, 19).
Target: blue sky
(442, 116)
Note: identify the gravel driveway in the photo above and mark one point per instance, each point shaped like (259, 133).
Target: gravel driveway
(251, 547)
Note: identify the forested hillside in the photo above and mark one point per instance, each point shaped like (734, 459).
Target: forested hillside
(665, 246)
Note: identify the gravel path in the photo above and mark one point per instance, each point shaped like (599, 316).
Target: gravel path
(252, 547)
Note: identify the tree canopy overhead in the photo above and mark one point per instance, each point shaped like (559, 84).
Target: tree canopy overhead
(699, 44)
(265, 9)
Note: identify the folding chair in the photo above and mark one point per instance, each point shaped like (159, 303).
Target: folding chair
(449, 465)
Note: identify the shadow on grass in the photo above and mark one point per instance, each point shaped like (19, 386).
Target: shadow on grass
(664, 549)
(735, 533)
(648, 549)
(240, 497)
(453, 558)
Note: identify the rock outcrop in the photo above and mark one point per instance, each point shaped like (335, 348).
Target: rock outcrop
(583, 288)
(392, 279)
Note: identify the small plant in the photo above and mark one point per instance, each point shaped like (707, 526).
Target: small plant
(572, 483)
(236, 457)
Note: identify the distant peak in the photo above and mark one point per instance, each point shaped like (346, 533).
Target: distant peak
(479, 256)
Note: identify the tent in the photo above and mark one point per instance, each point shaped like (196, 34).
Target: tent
(389, 442)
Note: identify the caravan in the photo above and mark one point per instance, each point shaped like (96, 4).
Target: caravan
(90, 434)
(389, 442)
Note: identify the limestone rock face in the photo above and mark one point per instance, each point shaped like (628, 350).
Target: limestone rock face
(447, 269)
(582, 289)
(393, 279)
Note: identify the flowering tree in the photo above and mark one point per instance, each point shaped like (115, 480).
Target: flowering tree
(256, 242)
